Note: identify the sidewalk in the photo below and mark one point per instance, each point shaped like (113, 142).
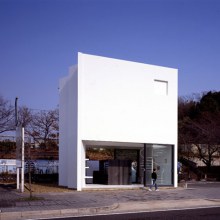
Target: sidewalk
(72, 203)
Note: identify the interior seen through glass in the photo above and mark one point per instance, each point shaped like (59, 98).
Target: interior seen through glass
(115, 166)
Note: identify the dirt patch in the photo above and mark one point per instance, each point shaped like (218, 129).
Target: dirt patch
(45, 188)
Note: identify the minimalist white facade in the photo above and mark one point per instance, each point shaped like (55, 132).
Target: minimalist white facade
(118, 104)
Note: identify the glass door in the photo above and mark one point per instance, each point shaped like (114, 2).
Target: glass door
(162, 161)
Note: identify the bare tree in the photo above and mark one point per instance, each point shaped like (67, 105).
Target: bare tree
(207, 128)
(206, 153)
(199, 125)
(24, 116)
(43, 127)
(7, 122)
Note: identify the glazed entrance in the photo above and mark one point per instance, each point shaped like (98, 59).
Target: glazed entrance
(112, 166)
(122, 166)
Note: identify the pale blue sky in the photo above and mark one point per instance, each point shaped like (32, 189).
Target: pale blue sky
(39, 40)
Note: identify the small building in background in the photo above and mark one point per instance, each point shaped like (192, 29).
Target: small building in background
(118, 121)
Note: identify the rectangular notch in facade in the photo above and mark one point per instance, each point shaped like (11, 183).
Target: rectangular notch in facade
(161, 87)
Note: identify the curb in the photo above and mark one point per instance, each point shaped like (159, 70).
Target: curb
(55, 213)
(126, 207)
(167, 205)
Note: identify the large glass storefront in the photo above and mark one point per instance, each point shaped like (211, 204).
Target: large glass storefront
(121, 166)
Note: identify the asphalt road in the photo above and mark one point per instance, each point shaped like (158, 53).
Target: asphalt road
(190, 214)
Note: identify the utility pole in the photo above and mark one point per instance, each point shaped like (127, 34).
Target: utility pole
(17, 162)
(16, 112)
(19, 150)
(145, 146)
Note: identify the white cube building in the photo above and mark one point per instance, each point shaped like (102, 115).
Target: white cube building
(118, 121)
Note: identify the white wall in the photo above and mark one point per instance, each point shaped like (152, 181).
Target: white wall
(119, 101)
(68, 129)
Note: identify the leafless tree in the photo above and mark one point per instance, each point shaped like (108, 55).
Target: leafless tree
(43, 127)
(207, 128)
(206, 153)
(24, 116)
(7, 122)
(199, 126)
